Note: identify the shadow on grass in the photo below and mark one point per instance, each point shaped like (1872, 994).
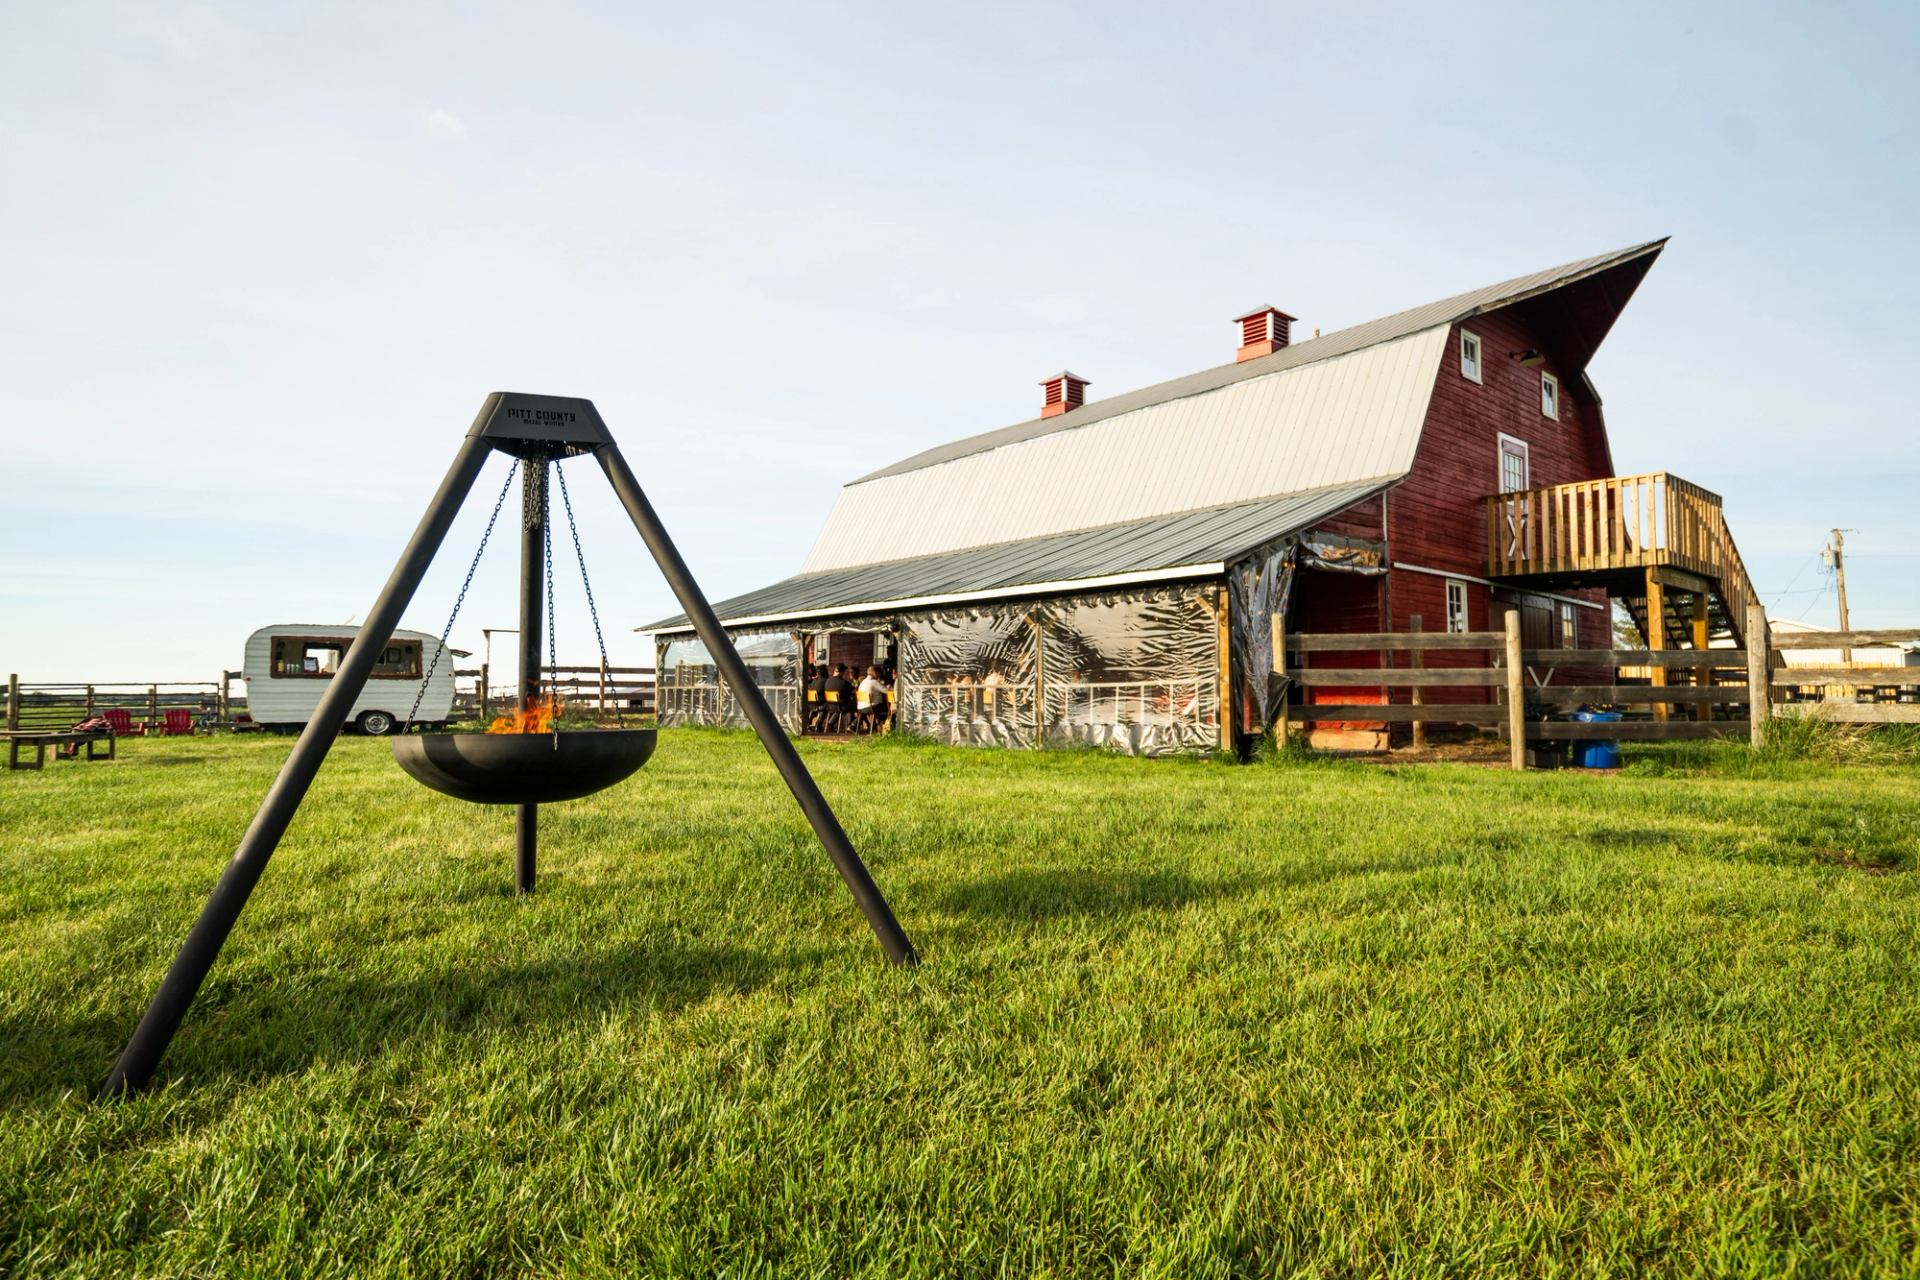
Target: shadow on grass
(258, 1025)
(1089, 892)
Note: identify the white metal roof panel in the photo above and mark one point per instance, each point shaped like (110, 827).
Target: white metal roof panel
(1336, 421)
(1305, 351)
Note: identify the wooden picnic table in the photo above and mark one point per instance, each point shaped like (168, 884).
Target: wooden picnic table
(65, 741)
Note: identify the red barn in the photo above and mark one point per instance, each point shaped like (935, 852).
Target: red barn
(1115, 571)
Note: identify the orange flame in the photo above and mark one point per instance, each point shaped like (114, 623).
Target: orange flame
(537, 717)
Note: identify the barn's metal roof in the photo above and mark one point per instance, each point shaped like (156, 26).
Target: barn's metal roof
(1353, 417)
(1191, 544)
(1327, 411)
(1355, 338)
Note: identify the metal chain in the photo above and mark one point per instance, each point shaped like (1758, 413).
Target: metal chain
(461, 598)
(547, 471)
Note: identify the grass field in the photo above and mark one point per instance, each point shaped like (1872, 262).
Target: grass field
(1175, 1018)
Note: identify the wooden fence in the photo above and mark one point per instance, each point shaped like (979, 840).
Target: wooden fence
(44, 705)
(1733, 691)
(35, 706)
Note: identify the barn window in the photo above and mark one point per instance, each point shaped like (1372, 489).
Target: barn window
(1550, 395)
(1456, 605)
(1516, 473)
(1469, 356)
(1569, 631)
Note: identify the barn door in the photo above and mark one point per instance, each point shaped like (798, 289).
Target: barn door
(1516, 477)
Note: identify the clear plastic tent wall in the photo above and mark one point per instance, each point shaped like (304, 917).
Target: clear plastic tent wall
(967, 675)
(1135, 672)
(690, 691)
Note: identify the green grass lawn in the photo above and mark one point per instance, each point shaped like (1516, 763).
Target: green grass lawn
(1174, 1018)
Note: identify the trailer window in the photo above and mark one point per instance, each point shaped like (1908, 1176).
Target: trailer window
(315, 659)
(319, 657)
(399, 660)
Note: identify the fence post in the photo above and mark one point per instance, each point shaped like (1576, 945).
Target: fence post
(603, 686)
(1419, 696)
(483, 693)
(13, 701)
(1759, 695)
(89, 702)
(1277, 626)
(153, 704)
(1516, 692)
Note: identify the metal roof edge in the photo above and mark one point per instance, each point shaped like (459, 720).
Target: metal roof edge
(1607, 263)
(1379, 482)
(1173, 573)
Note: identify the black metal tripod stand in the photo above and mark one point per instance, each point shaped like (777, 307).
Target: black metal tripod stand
(529, 426)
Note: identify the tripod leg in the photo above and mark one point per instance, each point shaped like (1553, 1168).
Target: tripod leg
(873, 905)
(189, 969)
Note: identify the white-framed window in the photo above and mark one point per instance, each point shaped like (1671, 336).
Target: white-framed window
(1456, 605)
(1516, 472)
(1550, 395)
(1470, 356)
(1569, 629)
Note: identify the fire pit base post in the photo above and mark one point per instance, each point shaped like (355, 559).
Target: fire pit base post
(526, 833)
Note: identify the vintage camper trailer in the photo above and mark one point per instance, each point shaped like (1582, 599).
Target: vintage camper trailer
(287, 668)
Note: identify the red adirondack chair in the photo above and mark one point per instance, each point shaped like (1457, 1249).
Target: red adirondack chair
(122, 721)
(179, 720)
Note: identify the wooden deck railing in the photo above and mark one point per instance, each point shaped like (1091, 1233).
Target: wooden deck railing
(1622, 522)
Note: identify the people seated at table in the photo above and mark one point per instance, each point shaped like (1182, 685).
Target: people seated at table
(873, 699)
(839, 695)
(816, 696)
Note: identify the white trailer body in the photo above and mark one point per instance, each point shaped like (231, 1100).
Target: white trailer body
(288, 667)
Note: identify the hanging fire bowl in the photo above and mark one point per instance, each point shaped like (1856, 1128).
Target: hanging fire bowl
(524, 768)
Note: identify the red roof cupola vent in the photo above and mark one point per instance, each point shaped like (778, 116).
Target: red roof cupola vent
(1063, 391)
(1263, 331)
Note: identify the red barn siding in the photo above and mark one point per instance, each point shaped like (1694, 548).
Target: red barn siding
(1434, 518)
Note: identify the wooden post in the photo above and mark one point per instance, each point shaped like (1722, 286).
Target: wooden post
(1657, 634)
(1758, 674)
(1516, 692)
(1702, 636)
(1278, 629)
(484, 675)
(13, 701)
(89, 702)
(153, 705)
(1419, 662)
(603, 686)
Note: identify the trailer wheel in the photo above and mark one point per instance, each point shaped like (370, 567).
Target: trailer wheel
(375, 724)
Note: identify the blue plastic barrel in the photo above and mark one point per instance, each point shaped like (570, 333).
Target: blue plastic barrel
(1590, 753)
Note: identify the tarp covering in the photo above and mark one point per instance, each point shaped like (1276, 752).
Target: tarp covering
(1133, 671)
(966, 676)
(1257, 591)
(1343, 555)
(690, 690)
(1136, 672)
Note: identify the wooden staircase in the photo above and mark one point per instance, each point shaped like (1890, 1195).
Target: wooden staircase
(1656, 543)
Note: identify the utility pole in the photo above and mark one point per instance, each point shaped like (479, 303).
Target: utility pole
(1837, 558)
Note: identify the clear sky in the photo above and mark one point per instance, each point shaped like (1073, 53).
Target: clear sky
(262, 263)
